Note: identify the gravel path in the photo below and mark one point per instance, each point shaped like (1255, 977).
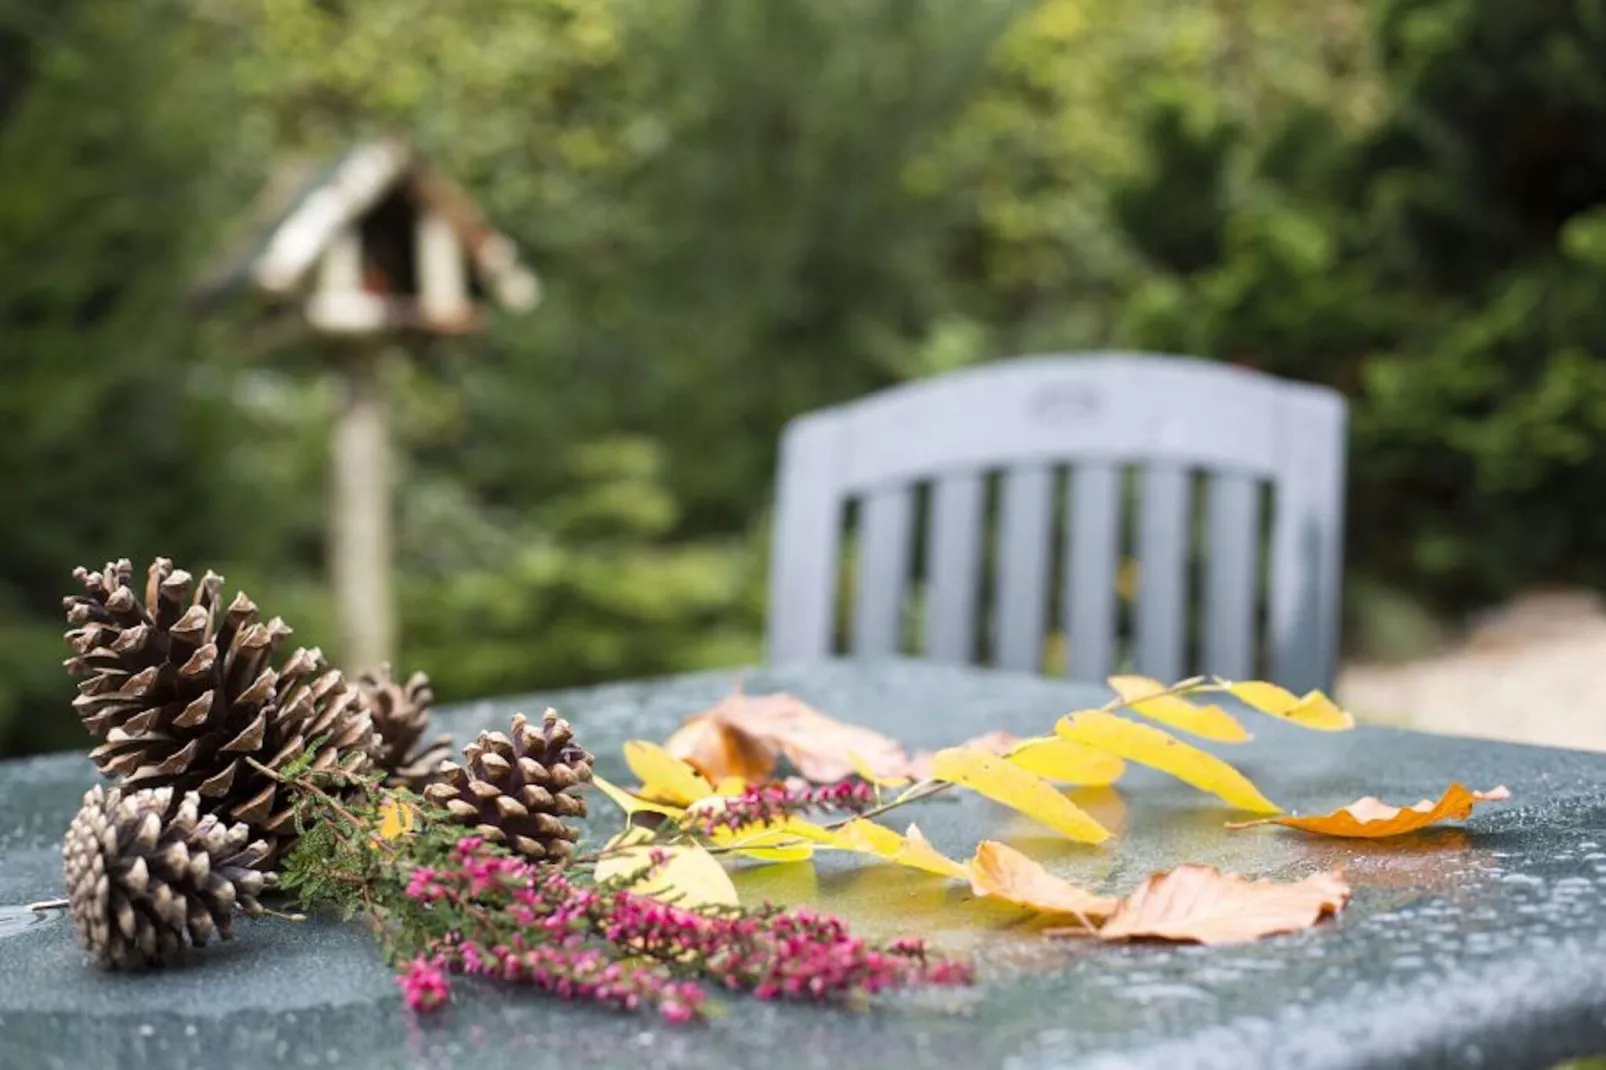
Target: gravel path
(1533, 672)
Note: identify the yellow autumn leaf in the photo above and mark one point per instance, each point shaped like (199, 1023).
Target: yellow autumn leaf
(767, 843)
(1146, 697)
(1160, 750)
(396, 818)
(911, 849)
(1313, 710)
(1053, 758)
(1009, 784)
(688, 877)
(663, 776)
(632, 804)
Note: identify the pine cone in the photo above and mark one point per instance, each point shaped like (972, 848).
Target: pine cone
(400, 714)
(142, 876)
(518, 791)
(182, 691)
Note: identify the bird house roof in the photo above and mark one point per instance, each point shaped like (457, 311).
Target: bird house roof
(307, 205)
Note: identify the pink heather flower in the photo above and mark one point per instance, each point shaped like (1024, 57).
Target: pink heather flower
(766, 803)
(423, 984)
(534, 926)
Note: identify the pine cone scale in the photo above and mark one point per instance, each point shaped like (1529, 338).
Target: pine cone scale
(400, 714)
(506, 790)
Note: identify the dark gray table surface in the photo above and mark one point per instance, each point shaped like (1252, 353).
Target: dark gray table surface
(1475, 946)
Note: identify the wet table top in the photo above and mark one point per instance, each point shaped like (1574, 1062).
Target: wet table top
(1482, 945)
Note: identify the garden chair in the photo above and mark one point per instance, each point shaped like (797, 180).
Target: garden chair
(972, 463)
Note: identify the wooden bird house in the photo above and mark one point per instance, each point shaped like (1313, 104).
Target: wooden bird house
(375, 241)
(367, 252)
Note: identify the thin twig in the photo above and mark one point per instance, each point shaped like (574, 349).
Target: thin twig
(334, 804)
(48, 904)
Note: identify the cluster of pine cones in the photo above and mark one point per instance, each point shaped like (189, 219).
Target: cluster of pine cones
(196, 713)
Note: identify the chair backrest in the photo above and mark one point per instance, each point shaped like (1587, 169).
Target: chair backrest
(1167, 423)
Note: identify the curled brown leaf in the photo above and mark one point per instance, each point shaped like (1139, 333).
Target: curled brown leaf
(743, 734)
(1200, 904)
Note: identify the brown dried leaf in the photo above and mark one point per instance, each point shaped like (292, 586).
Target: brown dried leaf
(821, 748)
(1200, 904)
(1001, 872)
(1372, 818)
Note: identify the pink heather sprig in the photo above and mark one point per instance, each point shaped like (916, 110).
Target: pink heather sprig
(524, 924)
(766, 803)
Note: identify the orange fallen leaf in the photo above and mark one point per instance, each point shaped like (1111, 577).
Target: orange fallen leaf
(746, 730)
(719, 750)
(1001, 872)
(1200, 904)
(1371, 817)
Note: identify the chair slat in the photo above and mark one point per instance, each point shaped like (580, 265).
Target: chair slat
(1094, 536)
(1023, 558)
(953, 566)
(1232, 540)
(1307, 542)
(808, 532)
(882, 572)
(1162, 615)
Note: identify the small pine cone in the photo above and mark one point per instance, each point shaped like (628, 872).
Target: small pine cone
(518, 791)
(182, 689)
(146, 878)
(400, 714)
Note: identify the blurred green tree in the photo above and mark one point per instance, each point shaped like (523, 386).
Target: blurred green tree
(743, 211)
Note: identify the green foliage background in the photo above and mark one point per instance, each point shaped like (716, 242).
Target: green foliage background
(743, 211)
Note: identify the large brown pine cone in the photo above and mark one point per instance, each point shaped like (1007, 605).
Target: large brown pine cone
(146, 878)
(182, 691)
(400, 714)
(517, 791)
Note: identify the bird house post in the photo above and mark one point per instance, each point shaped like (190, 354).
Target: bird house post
(372, 252)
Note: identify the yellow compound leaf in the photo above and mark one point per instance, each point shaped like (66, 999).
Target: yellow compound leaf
(688, 877)
(918, 853)
(1160, 750)
(767, 843)
(396, 818)
(1314, 710)
(663, 776)
(1001, 872)
(1009, 784)
(1053, 758)
(633, 804)
(1372, 818)
(1206, 722)
(912, 849)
